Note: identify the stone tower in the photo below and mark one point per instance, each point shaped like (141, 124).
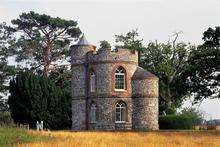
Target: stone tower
(79, 92)
(110, 91)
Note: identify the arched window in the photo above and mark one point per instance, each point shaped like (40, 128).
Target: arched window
(93, 110)
(92, 82)
(120, 79)
(120, 112)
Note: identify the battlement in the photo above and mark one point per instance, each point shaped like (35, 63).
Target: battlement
(120, 54)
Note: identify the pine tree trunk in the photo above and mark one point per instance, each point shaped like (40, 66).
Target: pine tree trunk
(47, 59)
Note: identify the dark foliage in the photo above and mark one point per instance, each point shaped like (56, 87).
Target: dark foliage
(187, 119)
(5, 119)
(212, 37)
(105, 44)
(35, 98)
(173, 121)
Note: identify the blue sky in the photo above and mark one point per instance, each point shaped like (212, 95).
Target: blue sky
(155, 20)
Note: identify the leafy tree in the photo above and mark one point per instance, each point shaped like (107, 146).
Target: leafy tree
(34, 98)
(105, 45)
(130, 41)
(6, 37)
(168, 61)
(203, 73)
(212, 37)
(204, 67)
(43, 39)
(183, 70)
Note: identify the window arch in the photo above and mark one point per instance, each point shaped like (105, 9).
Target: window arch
(92, 83)
(93, 112)
(120, 79)
(120, 112)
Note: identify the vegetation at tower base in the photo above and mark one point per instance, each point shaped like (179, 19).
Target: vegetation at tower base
(184, 70)
(35, 98)
(43, 39)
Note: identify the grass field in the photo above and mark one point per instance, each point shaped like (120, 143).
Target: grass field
(128, 139)
(10, 136)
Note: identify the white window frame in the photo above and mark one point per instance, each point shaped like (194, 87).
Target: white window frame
(122, 108)
(92, 81)
(120, 72)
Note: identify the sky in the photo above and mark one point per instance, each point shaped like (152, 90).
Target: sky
(154, 19)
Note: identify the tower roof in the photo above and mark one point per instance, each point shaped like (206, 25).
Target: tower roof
(83, 41)
(142, 74)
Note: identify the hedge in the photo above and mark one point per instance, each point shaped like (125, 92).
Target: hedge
(177, 122)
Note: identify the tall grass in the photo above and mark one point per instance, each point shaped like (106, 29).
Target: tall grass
(129, 139)
(10, 136)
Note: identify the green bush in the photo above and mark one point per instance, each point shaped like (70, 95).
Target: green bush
(5, 119)
(177, 121)
(34, 98)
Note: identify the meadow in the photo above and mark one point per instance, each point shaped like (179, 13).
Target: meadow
(126, 139)
(10, 136)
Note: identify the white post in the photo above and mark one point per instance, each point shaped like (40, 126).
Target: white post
(37, 126)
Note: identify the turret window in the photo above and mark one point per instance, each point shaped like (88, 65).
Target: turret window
(120, 112)
(120, 79)
(92, 82)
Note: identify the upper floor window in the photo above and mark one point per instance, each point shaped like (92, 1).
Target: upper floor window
(120, 112)
(92, 82)
(120, 79)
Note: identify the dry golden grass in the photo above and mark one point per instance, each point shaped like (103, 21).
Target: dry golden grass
(128, 139)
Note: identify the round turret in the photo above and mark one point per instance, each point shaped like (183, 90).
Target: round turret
(79, 93)
(145, 100)
(79, 50)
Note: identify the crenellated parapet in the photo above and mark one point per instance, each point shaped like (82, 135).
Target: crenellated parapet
(106, 55)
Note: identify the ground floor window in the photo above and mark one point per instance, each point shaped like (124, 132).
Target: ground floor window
(120, 112)
(93, 110)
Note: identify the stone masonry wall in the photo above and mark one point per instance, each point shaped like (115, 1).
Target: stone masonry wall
(79, 114)
(114, 56)
(140, 96)
(145, 88)
(145, 114)
(78, 81)
(105, 79)
(106, 114)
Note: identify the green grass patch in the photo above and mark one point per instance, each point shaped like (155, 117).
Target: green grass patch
(10, 136)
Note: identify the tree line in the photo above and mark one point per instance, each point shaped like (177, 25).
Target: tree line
(42, 41)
